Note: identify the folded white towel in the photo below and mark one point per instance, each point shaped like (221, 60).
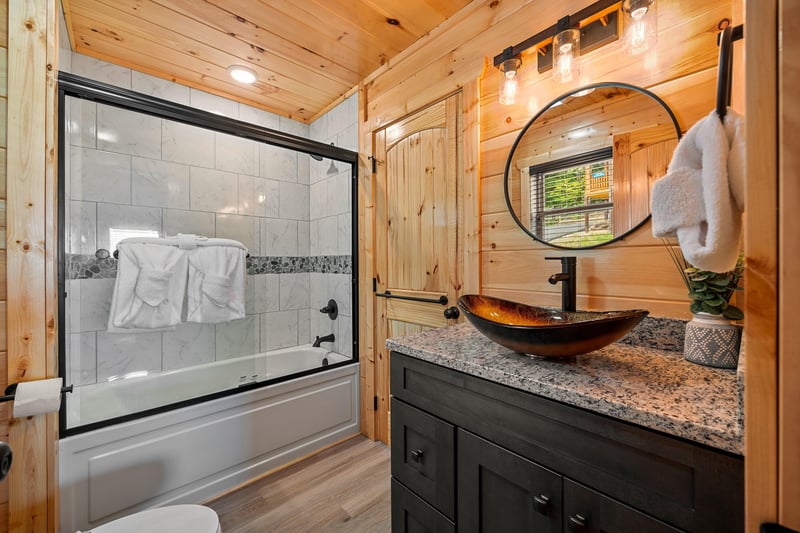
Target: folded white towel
(149, 289)
(216, 284)
(701, 198)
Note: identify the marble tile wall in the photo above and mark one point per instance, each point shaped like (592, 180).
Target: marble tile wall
(137, 172)
(330, 198)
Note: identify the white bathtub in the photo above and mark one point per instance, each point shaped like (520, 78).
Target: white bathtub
(190, 454)
(137, 392)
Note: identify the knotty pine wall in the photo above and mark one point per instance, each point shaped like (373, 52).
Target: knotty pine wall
(3, 285)
(635, 273)
(29, 338)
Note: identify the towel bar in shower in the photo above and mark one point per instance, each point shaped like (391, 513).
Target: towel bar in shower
(102, 253)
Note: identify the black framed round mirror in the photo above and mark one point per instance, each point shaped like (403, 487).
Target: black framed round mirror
(580, 172)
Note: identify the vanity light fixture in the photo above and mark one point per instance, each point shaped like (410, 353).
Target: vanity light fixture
(508, 84)
(573, 35)
(566, 53)
(242, 74)
(641, 27)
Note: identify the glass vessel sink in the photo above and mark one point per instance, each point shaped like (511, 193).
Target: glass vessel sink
(545, 331)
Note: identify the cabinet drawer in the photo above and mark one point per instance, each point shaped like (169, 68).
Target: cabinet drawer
(500, 491)
(587, 511)
(423, 455)
(412, 515)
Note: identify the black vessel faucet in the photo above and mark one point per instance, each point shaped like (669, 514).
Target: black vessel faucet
(567, 278)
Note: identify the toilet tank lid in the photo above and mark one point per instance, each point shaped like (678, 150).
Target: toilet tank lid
(172, 518)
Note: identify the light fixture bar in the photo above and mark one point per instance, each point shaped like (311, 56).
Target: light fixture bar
(592, 11)
(593, 35)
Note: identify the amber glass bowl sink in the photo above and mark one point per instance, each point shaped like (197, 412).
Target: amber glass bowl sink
(545, 331)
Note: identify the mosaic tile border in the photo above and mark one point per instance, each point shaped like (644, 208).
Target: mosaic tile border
(81, 266)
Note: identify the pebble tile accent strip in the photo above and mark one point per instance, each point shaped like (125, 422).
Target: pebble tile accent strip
(654, 388)
(90, 267)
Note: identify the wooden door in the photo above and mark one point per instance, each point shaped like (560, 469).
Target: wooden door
(416, 232)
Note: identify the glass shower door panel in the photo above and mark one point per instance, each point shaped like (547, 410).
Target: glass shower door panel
(129, 174)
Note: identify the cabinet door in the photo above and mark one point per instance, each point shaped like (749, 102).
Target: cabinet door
(423, 450)
(410, 514)
(587, 511)
(500, 491)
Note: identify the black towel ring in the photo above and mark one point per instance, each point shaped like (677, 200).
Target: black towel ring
(728, 35)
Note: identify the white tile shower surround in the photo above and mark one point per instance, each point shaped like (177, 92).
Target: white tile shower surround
(169, 151)
(282, 311)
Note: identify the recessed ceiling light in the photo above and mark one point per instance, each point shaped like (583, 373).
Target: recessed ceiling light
(242, 74)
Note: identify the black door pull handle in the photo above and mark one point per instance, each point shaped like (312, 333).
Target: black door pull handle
(541, 504)
(577, 523)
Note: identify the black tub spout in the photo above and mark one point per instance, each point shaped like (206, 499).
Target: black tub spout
(326, 338)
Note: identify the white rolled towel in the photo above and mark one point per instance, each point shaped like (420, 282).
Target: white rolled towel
(149, 289)
(216, 287)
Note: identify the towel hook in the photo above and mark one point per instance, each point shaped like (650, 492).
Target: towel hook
(726, 38)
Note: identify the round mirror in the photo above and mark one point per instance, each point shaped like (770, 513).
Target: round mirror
(580, 172)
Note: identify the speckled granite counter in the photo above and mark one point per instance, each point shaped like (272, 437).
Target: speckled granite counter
(652, 388)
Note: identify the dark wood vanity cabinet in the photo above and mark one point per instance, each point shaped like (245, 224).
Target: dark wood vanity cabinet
(470, 455)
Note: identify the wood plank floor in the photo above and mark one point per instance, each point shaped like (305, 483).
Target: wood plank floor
(343, 488)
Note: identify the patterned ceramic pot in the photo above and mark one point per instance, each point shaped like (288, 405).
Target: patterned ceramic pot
(712, 340)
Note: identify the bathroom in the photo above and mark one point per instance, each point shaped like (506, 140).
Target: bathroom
(494, 256)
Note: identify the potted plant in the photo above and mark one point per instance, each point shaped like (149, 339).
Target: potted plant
(711, 339)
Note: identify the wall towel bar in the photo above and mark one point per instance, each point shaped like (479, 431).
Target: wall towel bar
(387, 294)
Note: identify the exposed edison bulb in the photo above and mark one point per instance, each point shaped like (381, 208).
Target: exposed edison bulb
(565, 63)
(509, 83)
(508, 92)
(641, 31)
(566, 56)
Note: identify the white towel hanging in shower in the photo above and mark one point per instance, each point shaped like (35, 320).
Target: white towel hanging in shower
(215, 290)
(149, 289)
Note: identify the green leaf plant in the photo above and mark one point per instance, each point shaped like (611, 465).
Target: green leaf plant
(710, 292)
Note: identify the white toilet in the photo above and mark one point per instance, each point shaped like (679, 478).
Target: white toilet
(169, 519)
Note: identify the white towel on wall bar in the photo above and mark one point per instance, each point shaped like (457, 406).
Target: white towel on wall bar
(216, 286)
(701, 198)
(149, 289)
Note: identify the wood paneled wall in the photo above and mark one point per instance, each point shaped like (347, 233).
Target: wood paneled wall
(31, 254)
(636, 272)
(789, 253)
(4, 410)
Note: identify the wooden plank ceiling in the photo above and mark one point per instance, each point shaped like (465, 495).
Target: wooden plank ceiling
(308, 54)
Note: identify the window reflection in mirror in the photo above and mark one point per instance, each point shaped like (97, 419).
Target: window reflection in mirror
(580, 172)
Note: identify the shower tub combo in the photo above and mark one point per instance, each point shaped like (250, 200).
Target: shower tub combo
(116, 470)
(180, 416)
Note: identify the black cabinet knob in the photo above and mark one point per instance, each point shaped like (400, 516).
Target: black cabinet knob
(577, 523)
(451, 312)
(417, 455)
(541, 504)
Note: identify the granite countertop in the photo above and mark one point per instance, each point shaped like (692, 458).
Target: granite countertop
(649, 387)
